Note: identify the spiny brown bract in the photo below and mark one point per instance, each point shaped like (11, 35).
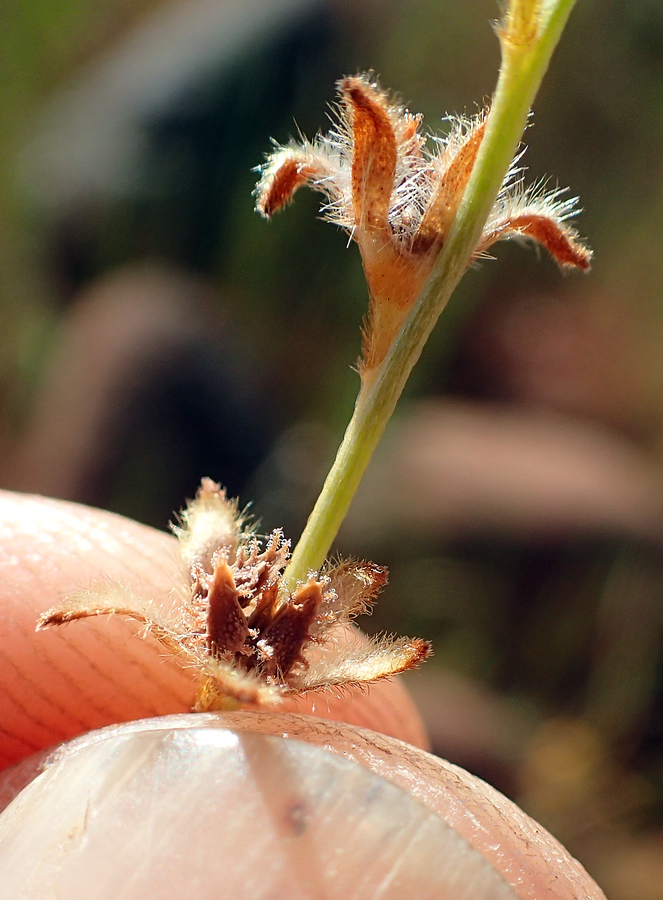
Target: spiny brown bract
(252, 639)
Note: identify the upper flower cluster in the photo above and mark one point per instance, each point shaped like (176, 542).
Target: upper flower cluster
(397, 196)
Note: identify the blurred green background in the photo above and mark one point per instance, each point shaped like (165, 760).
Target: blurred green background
(153, 329)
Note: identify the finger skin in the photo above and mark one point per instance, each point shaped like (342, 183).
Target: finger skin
(64, 681)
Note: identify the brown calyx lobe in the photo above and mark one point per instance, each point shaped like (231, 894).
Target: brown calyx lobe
(248, 620)
(374, 153)
(557, 240)
(227, 628)
(290, 629)
(288, 178)
(442, 209)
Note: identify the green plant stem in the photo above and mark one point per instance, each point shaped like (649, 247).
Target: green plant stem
(522, 70)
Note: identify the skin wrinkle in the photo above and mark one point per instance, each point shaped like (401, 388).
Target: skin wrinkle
(151, 674)
(123, 678)
(28, 747)
(147, 588)
(42, 722)
(113, 549)
(22, 679)
(26, 653)
(24, 747)
(35, 722)
(115, 552)
(377, 707)
(50, 661)
(131, 690)
(371, 721)
(88, 696)
(96, 715)
(157, 585)
(104, 543)
(383, 707)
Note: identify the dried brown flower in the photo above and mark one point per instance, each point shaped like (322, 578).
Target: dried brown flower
(238, 625)
(398, 198)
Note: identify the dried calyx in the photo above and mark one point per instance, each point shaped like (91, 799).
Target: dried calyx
(398, 198)
(233, 620)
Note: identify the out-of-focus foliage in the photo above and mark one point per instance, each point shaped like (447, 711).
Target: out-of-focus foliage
(520, 508)
(42, 44)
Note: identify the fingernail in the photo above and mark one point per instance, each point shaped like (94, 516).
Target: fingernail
(215, 813)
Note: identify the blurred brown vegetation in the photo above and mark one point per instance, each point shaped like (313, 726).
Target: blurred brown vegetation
(154, 330)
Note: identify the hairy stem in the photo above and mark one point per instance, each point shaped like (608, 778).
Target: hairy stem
(528, 36)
